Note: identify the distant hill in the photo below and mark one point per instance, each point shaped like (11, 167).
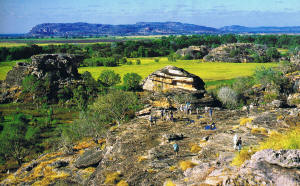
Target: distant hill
(147, 28)
(141, 28)
(275, 30)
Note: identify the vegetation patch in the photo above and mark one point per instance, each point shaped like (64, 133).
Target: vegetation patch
(244, 121)
(275, 141)
(184, 165)
(113, 178)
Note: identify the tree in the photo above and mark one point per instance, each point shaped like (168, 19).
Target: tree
(115, 106)
(109, 78)
(131, 81)
(16, 138)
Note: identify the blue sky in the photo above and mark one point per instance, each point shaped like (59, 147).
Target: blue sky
(19, 16)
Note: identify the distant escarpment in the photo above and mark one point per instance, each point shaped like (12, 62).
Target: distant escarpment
(141, 28)
(59, 70)
(146, 28)
(242, 52)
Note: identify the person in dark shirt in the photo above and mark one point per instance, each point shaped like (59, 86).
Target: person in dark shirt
(239, 143)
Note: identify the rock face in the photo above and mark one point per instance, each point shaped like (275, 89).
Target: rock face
(60, 69)
(172, 78)
(236, 52)
(196, 52)
(295, 59)
(272, 168)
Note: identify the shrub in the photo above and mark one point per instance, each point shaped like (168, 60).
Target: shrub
(272, 53)
(116, 106)
(242, 84)
(123, 60)
(228, 97)
(270, 96)
(138, 62)
(131, 81)
(109, 78)
(156, 60)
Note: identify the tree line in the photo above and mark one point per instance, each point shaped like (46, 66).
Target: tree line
(147, 48)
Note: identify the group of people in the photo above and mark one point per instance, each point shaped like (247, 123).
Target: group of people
(187, 108)
(166, 115)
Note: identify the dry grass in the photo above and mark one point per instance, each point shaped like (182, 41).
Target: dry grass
(195, 148)
(142, 158)
(259, 130)
(122, 183)
(244, 121)
(113, 178)
(169, 183)
(84, 144)
(184, 165)
(172, 168)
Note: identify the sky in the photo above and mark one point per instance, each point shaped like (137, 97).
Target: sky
(19, 16)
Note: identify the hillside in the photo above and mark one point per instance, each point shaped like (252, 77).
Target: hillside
(147, 28)
(141, 28)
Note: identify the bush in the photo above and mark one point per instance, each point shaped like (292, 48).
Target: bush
(138, 61)
(242, 84)
(116, 106)
(228, 97)
(109, 78)
(272, 53)
(275, 79)
(131, 81)
(156, 60)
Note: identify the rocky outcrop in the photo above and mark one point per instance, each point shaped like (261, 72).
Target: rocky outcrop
(173, 78)
(195, 52)
(271, 167)
(295, 59)
(236, 53)
(59, 69)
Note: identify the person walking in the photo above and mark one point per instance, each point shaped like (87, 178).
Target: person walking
(150, 120)
(210, 112)
(176, 148)
(239, 144)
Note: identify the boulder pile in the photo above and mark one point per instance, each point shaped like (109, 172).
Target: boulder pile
(236, 53)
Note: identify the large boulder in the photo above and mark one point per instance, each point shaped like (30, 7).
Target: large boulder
(196, 52)
(236, 53)
(173, 78)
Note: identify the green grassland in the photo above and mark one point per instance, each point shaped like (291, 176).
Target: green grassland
(210, 72)
(7, 66)
(213, 73)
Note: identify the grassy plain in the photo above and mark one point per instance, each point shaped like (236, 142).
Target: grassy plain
(7, 66)
(211, 72)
